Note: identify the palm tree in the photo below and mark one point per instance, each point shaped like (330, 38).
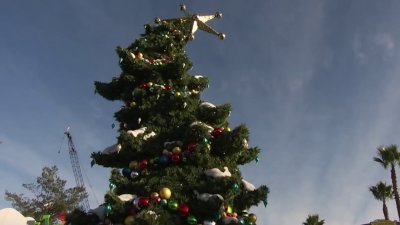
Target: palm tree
(382, 192)
(389, 156)
(313, 220)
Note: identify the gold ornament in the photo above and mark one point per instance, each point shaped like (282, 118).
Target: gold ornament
(133, 165)
(197, 22)
(165, 193)
(176, 150)
(149, 84)
(252, 217)
(129, 220)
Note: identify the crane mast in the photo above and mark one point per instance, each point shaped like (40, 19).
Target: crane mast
(84, 205)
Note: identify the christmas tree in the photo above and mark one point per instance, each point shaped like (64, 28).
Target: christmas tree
(176, 161)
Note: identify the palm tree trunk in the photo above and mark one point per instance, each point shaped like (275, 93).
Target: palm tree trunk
(394, 184)
(385, 210)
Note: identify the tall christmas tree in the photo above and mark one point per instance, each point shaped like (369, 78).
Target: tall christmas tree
(176, 161)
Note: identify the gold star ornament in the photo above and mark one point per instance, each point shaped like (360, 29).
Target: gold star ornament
(197, 22)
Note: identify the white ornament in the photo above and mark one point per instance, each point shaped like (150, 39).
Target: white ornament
(198, 76)
(184, 105)
(207, 104)
(133, 55)
(198, 123)
(206, 196)
(215, 172)
(248, 186)
(134, 174)
(209, 222)
(115, 148)
(100, 212)
(126, 197)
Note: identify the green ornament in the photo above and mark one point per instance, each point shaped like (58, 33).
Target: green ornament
(248, 222)
(173, 205)
(108, 209)
(112, 186)
(235, 187)
(191, 220)
(205, 140)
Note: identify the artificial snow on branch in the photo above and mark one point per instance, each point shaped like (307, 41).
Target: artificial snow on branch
(215, 172)
(115, 148)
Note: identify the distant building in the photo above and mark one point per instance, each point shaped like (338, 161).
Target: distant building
(383, 222)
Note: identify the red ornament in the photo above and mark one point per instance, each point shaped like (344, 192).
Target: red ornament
(175, 158)
(143, 85)
(217, 131)
(191, 146)
(143, 201)
(167, 87)
(154, 195)
(183, 209)
(143, 164)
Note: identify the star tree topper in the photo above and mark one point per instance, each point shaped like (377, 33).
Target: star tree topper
(198, 22)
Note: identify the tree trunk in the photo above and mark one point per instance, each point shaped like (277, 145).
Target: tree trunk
(385, 210)
(394, 184)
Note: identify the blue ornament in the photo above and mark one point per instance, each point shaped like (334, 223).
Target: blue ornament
(126, 172)
(164, 202)
(241, 221)
(257, 159)
(164, 160)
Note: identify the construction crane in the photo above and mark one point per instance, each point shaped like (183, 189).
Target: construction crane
(84, 205)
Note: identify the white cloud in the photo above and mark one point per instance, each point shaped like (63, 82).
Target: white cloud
(367, 46)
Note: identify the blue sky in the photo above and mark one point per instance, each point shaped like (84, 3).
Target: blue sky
(315, 81)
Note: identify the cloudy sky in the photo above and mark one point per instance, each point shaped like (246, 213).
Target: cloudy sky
(315, 81)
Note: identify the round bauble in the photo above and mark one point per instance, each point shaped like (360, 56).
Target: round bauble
(183, 209)
(139, 55)
(175, 158)
(164, 160)
(133, 165)
(165, 193)
(176, 150)
(143, 164)
(235, 186)
(126, 172)
(129, 220)
(143, 201)
(134, 174)
(252, 217)
(167, 87)
(163, 202)
(191, 220)
(173, 204)
(191, 146)
(154, 195)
